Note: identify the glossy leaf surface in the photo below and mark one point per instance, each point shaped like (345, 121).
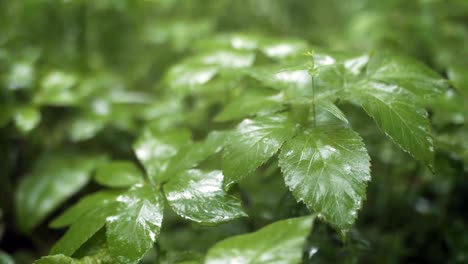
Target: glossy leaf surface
(135, 226)
(400, 117)
(252, 143)
(199, 196)
(280, 242)
(327, 168)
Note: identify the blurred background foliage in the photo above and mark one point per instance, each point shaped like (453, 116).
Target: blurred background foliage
(86, 76)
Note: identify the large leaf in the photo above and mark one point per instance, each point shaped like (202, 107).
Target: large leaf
(155, 149)
(252, 143)
(328, 169)
(199, 196)
(132, 231)
(118, 174)
(399, 116)
(280, 242)
(410, 74)
(55, 177)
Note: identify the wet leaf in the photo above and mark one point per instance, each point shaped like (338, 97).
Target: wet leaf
(280, 242)
(155, 149)
(327, 167)
(252, 143)
(135, 226)
(405, 72)
(199, 196)
(399, 116)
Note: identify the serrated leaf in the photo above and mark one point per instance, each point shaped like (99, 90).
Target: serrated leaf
(55, 178)
(199, 196)
(406, 72)
(280, 242)
(133, 229)
(155, 149)
(328, 169)
(252, 143)
(250, 105)
(331, 108)
(118, 174)
(88, 203)
(399, 116)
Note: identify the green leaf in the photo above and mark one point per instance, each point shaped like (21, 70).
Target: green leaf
(406, 72)
(331, 108)
(252, 143)
(86, 204)
(328, 169)
(249, 105)
(399, 116)
(27, 118)
(100, 258)
(199, 196)
(192, 154)
(58, 88)
(296, 82)
(280, 242)
(118, 174)
(83, 228)
(155, 149)
(55, 178)
(134, 228)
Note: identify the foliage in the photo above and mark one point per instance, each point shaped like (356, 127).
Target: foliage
(179, 132)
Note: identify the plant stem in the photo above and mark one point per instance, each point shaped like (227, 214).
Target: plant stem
(313, 100)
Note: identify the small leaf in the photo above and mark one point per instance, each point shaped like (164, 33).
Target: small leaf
(133, 229)
(252, 143)
(55, 177)
(58, 88)
(199, 196)
(328, 169)
(280, 242)
(118, 174)
(155, 149)
(27, 118)
(399, 116)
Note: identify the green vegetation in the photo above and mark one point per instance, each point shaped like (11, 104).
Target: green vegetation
(227, 131)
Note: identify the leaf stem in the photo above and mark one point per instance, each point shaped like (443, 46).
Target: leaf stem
(313, 100)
